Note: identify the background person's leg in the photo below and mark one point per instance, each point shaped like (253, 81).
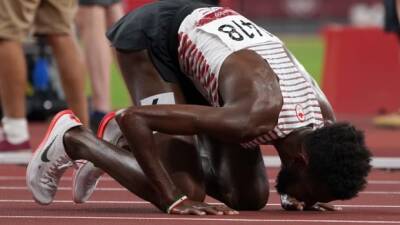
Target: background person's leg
(92, 29)
(234, 175)
(17, 18)
(114, 12)
(392, 24)
(13, 80)
(13, 85)
(72, 72)
(55, 20)
(92, 23)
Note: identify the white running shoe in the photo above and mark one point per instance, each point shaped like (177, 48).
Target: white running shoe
(88, 175)
(50, 160)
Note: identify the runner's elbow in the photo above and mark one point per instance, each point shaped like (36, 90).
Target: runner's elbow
(129, 119)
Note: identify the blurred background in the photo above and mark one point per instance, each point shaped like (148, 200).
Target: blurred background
(309, 16)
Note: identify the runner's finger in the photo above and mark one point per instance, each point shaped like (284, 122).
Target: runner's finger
(187, 211)
(212, 211)
(226, 210)
(196, 212)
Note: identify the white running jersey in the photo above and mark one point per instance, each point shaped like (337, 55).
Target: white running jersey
(209, 35)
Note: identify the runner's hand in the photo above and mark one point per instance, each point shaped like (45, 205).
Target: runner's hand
(189, 207)
(290, 203)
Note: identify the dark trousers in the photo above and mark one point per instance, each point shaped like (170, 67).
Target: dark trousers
(391, 17)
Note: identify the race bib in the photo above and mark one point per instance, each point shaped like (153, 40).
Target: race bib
(167, 98)
(238, 32)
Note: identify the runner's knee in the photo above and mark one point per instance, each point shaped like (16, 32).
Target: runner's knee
(254, 198)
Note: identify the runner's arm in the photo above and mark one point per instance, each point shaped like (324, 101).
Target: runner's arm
(138, 124)
(246, 85)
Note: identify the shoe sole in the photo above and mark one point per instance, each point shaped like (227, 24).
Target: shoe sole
(39, 150)
(100, 133)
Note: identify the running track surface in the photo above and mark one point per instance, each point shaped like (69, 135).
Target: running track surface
(379, 203)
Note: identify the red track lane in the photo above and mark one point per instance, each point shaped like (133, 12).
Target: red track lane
(111, 204)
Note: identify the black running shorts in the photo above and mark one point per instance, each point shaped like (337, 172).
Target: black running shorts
(155, 27)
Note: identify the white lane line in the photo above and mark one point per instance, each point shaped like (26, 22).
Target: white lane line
(21, 188)
(380, 192)
(110, 179)
(383, 182)
(18, 178)
(148, 203)
(269, 161)
(171, 218)
(376, 162)
(70, 201)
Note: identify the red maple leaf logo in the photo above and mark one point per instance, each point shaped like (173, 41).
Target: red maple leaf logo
(300, 113)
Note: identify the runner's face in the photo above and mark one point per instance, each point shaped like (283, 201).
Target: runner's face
(309, 192)
(295, 180)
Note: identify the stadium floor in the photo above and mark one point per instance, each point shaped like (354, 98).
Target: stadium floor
(112, 204)
(379, 203)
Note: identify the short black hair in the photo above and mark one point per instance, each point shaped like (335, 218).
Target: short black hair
(286, 177)
(338, 158)
(211, 2)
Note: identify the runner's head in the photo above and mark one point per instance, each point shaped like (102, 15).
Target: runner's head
(335, 166)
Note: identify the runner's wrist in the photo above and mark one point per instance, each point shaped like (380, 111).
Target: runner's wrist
(178, 200)
(169, 197)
